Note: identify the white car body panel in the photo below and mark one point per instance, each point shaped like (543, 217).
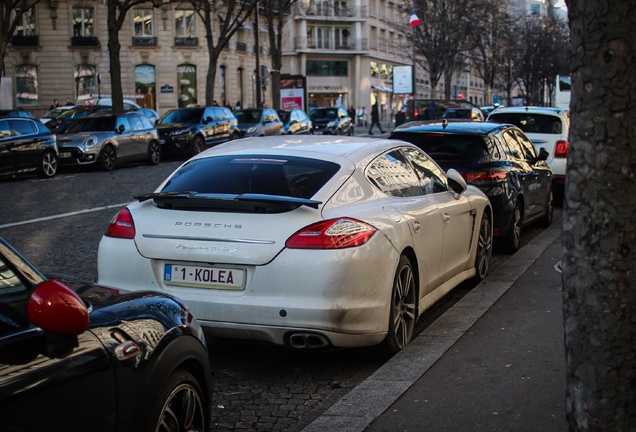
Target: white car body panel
(341, 294)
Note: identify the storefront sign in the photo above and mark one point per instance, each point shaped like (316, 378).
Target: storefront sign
(166, 88)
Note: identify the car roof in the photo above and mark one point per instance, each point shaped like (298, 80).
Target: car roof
(530, 109)
(312, 146)
(470, 128)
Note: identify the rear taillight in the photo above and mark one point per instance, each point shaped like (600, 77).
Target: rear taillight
(332, 234)
(483, 177)
(121, 226)
(561, 149)
(415, 114)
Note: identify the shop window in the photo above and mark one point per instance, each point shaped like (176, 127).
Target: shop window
(145, 86)
(85, 77)
(26, 85)
(187, 79)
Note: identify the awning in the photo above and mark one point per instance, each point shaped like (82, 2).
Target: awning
(380, 88)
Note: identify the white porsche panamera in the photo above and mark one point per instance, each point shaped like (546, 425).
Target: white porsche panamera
(308, 242)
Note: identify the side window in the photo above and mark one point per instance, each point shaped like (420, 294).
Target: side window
(122, 121)
(14, 295)
(5, 129)
(514, 149)
(526, 145)
(23, 127)
(394, 176)
(145, 121)
(208, 113)
(135, 123)
(431, 176)
(219, 113)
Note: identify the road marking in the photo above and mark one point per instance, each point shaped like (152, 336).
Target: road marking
(63, 215)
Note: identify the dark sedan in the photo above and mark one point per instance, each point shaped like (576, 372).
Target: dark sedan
(295, 122)
(26, 145)
(187, 131)
(91, 358)
(331, 121)
(501, 161)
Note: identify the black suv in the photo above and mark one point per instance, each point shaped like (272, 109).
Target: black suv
(501, 161)
(331, 121)
(186, 131)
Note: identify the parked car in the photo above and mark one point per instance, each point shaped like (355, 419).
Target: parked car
(16, 113)
(59, 124)
(80, 356)
(26, 145)
(258, 122)
(309, 243)
(295, 122)
(498, 159)
(187, 131)
(433, 109)
(100, 101)
(55, 112)
(332, 121)
(463, 114)
(106, 140)
(151, 114)
(547, 128)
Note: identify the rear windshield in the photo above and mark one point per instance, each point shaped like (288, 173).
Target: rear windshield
(269, 175)
(451, 147)
(530, 123)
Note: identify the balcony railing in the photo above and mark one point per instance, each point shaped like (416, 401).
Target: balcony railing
(330, 11)
(186, 41)
(144, 41)
(85, 41)
(317, 44)
(25, 40)
(241, 46)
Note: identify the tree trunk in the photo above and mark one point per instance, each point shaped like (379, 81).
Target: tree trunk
(114, 48)
(599, 227)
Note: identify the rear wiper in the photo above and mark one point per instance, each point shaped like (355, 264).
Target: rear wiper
(252, 197)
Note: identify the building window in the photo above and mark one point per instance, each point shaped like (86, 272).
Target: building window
(184, 24)
(83, 22)
(384, 71)
(341, 38)
(239, 87)
(187, 79)
(222, 85)
(318, 37)
(142, 23)
(26, 24)
(374, 69)
(145, 85)
(85, 77)
(327, 68)
(26, 85)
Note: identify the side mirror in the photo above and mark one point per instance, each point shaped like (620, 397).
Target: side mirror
(456, 181)
(121, 129)
(57, 309)
(543, 154)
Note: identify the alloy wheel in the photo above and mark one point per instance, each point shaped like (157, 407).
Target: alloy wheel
(484, 249)
(182, 411)
(403, 304)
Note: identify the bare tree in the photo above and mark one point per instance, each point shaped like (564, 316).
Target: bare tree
(276, 11)
(11, 14)
(599, 227)
(229, 16)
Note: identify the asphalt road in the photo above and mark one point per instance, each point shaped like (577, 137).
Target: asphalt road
(57, 225)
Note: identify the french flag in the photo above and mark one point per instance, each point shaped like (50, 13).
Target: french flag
(414, 21)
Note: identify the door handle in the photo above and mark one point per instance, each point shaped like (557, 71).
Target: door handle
(446, 217)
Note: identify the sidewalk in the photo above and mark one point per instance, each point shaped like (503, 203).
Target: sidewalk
(495, 361)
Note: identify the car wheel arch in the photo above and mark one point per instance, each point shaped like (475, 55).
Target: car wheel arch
(180, 353)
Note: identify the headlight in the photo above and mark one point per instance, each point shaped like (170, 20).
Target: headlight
(180, 132)
(251, 130)
(331, 124)
(90, 142)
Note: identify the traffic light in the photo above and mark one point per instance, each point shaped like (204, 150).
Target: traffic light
(264, 72)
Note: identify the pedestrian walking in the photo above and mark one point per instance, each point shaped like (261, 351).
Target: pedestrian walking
(352, 113)
(375, 119)
(56, 104)
(362, 116)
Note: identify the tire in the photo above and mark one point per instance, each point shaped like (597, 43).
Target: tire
(311, 131)
(107, 158)
(339, 132)
(235, 136)
(484, 249)
(178, 405)
(402, 314)
(47, 167)
(547, 218)
(154, 153)
(511, 240)
(197, 145)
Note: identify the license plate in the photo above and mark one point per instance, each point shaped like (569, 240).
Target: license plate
(204, 277)
(162, 141)
(65, 155)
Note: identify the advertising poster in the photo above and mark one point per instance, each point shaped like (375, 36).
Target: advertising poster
(145, 85)
(292, 92)
(402, 79)
(187, 81)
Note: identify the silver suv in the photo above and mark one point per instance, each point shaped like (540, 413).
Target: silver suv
(546, 127)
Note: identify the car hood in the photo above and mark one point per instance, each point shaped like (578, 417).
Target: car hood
(64, 140)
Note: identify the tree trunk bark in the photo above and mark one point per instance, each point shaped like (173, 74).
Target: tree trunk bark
(114, 48)
(599, 226)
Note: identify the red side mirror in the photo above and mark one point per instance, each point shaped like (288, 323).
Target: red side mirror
(57, 309)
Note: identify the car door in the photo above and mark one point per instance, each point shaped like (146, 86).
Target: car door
(271, 123)
(208, 125)
(125, 138)
(222, 124)
(457, 214)
(7, 159)
(541, 173)
(49, 382)
(140, 137)
(24, 147)
(411, 209)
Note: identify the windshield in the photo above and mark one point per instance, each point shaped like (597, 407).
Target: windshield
(321, 114)
(74, 113)
(189, 115)
(248, 115)
(284, 116)
(92, 124)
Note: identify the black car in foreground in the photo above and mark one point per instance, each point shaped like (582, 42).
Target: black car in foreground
(501, 161)
(83, 357)
(331, 121)
(26, 145)
(187, 131)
